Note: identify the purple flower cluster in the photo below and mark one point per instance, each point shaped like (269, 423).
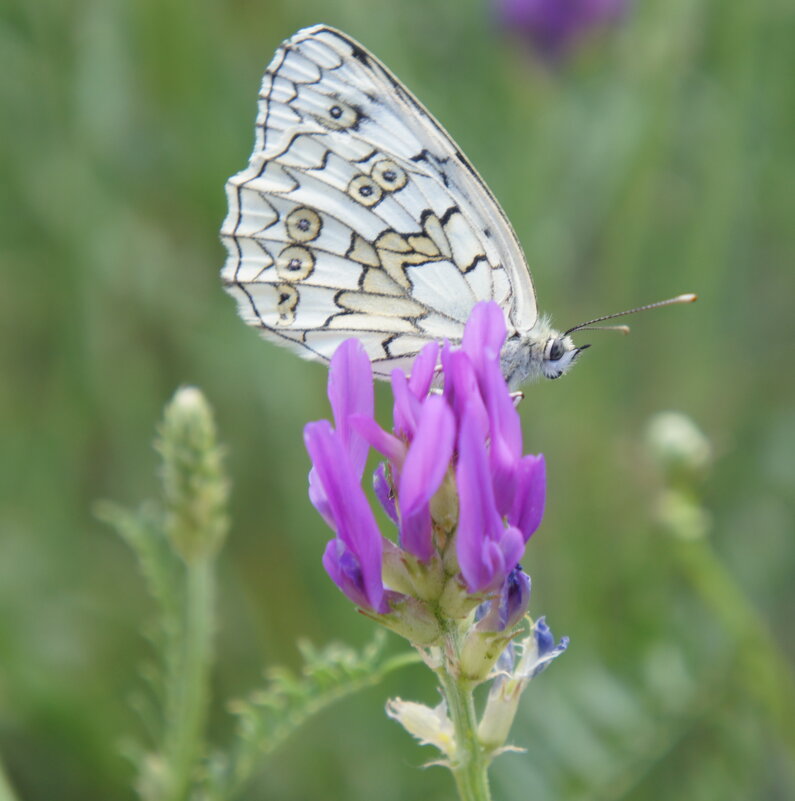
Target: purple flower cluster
(455, 480)
(553, 26)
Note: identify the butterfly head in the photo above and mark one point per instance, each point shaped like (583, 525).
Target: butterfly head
(540, 351)
(543, 351)
(558, 355)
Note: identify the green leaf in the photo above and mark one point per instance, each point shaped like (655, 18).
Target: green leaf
(270, 715)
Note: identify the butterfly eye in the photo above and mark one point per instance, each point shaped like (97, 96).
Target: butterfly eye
(556, 350)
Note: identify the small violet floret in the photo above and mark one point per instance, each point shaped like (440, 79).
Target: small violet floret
(554, 27)
(454, 479)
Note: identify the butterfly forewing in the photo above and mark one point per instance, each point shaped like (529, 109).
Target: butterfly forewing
(359, 216)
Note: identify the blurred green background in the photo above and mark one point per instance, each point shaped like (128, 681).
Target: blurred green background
(658, 160)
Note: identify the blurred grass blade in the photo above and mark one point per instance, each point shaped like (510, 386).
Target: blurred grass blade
(6, 791)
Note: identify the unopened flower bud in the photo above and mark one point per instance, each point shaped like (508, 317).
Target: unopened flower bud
(480, 652)
(194, 484)
(411, 619)
(678, 445)
(537, 650)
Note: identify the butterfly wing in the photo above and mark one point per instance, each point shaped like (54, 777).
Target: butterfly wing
(359, 216)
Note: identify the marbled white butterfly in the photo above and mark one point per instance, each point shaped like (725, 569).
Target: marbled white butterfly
(358, 215)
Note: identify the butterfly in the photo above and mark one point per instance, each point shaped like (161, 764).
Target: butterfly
(359, 216)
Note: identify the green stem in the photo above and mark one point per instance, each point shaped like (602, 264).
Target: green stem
(769, 676)
(188, 687)
(470, 766)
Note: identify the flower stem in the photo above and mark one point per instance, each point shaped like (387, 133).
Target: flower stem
(768, 676)
(470, 766)
(189, 688)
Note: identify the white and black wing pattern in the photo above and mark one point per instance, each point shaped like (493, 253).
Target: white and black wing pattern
(359, 216)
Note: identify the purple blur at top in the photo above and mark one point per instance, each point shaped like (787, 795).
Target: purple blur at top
(553, 26)
(465, 439)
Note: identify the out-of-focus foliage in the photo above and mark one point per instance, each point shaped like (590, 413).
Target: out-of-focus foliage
(658, 160)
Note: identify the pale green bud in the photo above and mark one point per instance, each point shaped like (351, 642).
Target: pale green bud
(480, 651)
(404, 573)
(195, 488)
(411, 619)
(444, 508)
(456, 601)
(678, 445)
(500, 711)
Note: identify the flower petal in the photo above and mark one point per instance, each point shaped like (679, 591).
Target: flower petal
(384, 492)
(484, 333)
(508, 608)
(360, 559)
(317, 496)
(406, 408)
(423, 370)
(350, 391)
(514, 598)
(505, 429)
(385, 443)
(346, 572)
(482, 544)
(429, 726)
(461, 387)
(423, 470)
(537, 659)
(528, 505)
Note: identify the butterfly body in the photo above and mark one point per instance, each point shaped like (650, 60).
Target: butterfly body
(359, 216)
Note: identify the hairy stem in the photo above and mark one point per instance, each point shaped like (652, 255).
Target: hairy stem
(188, 688)
(470, 765)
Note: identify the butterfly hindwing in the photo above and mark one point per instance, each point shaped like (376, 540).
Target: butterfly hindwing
(358, 216)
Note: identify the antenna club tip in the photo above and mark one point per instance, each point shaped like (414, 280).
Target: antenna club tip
(689, 297)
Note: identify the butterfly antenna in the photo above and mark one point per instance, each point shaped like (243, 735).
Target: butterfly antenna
(621, 329)
(688, 298)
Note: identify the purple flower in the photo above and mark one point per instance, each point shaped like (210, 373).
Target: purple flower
(350, 392)
(353, 558)
(484, 336)
(487, 549)
(538, 659)
(528, 502)
(514, 598)
(553, 26)
(509, 607)
(424, 468)
(383, 491)
(501, 493)
(455, 481)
